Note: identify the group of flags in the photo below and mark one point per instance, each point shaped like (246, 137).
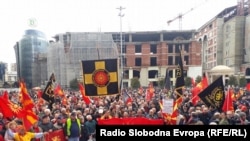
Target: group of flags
(22, 109)
(51, 91)
(212, 95)
(100, 78)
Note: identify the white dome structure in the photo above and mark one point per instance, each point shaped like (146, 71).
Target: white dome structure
(219, 70)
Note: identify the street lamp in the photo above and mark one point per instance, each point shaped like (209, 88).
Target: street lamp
(121, 56)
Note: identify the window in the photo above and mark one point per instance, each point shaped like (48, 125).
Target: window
(153, 61)
(177, 48)
(170, 48)
(211, 26)
(137, 48)
(186, 48)
(137, 61)
(124, 61)
(170, 60)
(186, 59)
(177, 60)
(170, 73)
(153, 48)
(124, 49)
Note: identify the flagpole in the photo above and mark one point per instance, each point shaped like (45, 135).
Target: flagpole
(121, 56)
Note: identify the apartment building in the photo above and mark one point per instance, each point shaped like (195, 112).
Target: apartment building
(225, 39)
(147, 55)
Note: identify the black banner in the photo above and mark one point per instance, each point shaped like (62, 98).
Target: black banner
(187, 132)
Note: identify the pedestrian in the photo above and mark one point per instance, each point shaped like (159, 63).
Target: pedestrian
(73, 128)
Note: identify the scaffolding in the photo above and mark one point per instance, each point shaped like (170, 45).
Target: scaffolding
(65, 54)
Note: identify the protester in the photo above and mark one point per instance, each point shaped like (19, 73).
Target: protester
(36, 129)
(11, 126)
(73, 128)
(23, 135)
(80, 118)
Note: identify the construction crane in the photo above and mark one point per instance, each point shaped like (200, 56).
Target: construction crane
(180, 16)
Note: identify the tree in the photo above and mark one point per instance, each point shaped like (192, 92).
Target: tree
(198, 79)
(161, 83)
(135, 83)
(6, 85)
(242, 81)
(15, 84)
(188, 81)
(74, 84)
(232, 81)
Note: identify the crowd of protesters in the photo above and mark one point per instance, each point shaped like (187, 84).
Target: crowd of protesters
(79, 119)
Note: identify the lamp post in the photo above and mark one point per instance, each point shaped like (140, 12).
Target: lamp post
(121, 56)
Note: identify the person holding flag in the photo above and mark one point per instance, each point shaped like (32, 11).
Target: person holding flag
(23, 135)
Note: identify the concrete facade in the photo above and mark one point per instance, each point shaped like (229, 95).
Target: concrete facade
(149, 54)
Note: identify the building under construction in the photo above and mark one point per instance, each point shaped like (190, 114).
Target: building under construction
(66, 52)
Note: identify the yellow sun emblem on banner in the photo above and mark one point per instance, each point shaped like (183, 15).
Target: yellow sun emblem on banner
(56, 138)
(15, 108)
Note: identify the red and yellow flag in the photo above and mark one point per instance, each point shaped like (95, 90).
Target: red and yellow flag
(169, 118)
(228, 103)
(58, 91)
(85, 98)
(29, 119)
(57, 135)
(4, 106)
(27, 102)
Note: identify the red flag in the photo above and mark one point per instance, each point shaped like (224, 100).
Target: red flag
(173, 117)
(58, 91)
(195, 98)
(248, 86)
(204, 82)
(130, 121)
(4, 107)
(198, 88)
(127, 98)
(228, 103)
(29, 119)
(40, 103)
(193, 82)
(39, 94)
(64, 101)
(150, 92)
(27, 102)
(170, 119)
(57, 135)
(12, 107)
(86, 99)
(5, 95)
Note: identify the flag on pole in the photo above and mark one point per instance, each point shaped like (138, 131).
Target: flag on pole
(48, 93)
(180, 83)
(214, 94)
(100, 77)
(167, 80)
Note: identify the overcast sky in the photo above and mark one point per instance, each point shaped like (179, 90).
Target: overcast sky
(60, 16)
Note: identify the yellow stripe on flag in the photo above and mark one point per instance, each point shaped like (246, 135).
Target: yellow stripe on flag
(88, 79)
(99, 65)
